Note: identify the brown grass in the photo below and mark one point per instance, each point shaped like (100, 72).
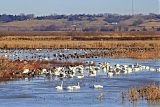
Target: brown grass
(151, 24)
(118, 49)
(8, 67)
(123, 44)
(78, 44)
(150, 93)
(33, 23)
(72, 33)
(13, 69)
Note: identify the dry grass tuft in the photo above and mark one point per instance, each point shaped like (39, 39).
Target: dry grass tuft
(150, 93)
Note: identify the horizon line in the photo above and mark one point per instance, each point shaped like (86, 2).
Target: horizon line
(54, 14)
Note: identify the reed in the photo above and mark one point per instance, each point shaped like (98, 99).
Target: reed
(86, 34)
(54, 44)
(150, 93)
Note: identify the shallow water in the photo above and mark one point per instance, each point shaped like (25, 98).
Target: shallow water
(40, 91)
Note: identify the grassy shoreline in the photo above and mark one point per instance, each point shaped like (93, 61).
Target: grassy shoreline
(11, 70)
(149, 93)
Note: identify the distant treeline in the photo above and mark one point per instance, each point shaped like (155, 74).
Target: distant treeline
(76, 17)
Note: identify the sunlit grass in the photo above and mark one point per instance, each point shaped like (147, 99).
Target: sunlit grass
(150, 93)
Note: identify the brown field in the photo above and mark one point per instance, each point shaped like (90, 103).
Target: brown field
(74, 33)
(33, 23)
(123, 44)
(29, 24)
(151, 24)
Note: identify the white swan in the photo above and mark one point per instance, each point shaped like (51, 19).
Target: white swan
(110, 73)
(44, 71)
(80, 76)
(25, 71)
(69, 88)
(76, 87)
(158, 70)
(71, 75)
(97, 86)
(152, 69)
(60, 87)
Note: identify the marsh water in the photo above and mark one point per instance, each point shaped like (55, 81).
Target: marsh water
(40, 91)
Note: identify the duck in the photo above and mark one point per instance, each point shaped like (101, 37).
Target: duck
(97, 86)
(60, 87)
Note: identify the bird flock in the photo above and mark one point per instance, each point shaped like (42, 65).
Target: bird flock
(88, 69)
(92, 71)
(81, 71)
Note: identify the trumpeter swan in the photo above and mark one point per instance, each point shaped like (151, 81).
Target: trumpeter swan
(110, 74)
(76, 87)
(158, 70)
(26, 71)
(44, 71)
(69, 87)
(60, 87)
(97, 86)
(80, 76)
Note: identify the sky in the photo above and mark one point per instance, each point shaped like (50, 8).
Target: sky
(48, 7)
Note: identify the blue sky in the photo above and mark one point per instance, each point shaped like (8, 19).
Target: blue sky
(47, 7)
